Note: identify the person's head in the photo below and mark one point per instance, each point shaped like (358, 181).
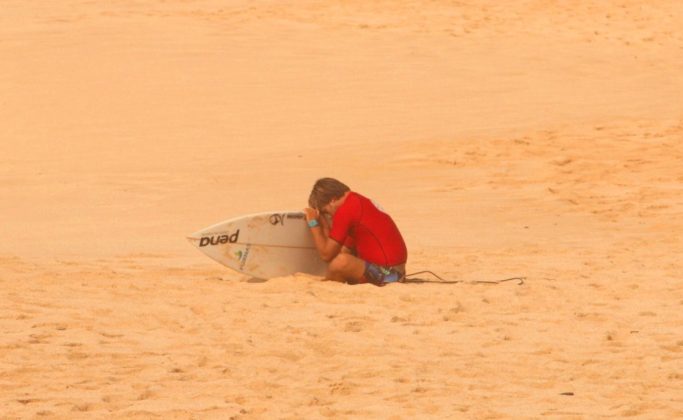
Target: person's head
(326, 193)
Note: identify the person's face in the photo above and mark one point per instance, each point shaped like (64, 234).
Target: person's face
(330, 208)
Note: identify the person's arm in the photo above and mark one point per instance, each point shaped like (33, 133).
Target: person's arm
(327, 247)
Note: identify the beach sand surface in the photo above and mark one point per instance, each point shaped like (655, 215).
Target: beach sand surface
(520, 138)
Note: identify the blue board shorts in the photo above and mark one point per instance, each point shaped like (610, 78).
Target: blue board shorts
(381, 275)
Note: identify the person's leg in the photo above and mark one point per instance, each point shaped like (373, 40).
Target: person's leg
(346, 267)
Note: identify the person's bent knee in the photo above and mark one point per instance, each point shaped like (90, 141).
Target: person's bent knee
(347, 266)
(340, 263)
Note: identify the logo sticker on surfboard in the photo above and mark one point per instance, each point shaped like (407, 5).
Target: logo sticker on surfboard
(279, 218)
(219, 239)
(242, 256)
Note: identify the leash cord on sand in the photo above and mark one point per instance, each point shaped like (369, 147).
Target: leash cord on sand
(410, 279)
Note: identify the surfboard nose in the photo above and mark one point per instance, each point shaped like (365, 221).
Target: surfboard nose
(195, 236)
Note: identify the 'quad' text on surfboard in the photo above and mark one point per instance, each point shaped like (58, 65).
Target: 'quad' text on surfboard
(220, 239)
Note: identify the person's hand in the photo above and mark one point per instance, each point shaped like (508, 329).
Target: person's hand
(311, 214)
(324, 220)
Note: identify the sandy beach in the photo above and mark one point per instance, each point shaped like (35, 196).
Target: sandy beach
(522, 138)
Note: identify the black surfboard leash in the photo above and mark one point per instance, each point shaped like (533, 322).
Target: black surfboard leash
(409, 278)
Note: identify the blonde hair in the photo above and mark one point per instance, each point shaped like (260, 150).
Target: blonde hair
(325, 190)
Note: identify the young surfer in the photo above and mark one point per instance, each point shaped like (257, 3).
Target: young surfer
(361, 243)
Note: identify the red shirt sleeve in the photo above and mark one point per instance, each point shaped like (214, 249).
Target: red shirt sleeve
(343, 222)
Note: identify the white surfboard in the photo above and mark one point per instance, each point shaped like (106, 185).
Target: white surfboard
(262, 245)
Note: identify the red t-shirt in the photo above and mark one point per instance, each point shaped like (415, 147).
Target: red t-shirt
(374, 234)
